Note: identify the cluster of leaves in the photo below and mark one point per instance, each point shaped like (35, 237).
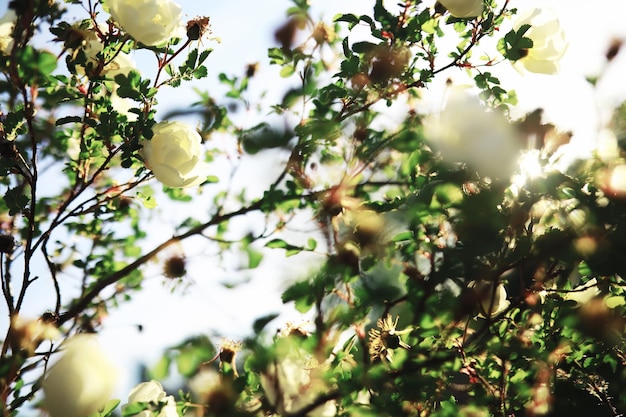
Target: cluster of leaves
(396, 328)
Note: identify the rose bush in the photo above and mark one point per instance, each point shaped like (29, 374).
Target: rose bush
(82, 381)
(548, 41)
(151, 22)
(173, 155)
(463, 8)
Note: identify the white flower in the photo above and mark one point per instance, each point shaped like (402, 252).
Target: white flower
(152, 392)
(28, 333)
(150, 22)
(463, 8)
(92, 45)
(82, 381)
(549, 43)
(466, 131)
(7, 23)
(617, 182)
(491, 303)
(582, 294)
(173, 155)
(293, 382)
(205, 382)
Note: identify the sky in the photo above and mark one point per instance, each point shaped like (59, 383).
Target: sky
(246, 28)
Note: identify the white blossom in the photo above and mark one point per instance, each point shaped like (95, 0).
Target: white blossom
(466, 131)
(82, 381)
(293, 382)
(549, 43)
(150, 22)
(491, 302)
(7, 24)
(463, 8)
(174, 155)
(152, 392)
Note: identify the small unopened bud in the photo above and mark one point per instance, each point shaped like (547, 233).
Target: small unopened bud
(613, 49)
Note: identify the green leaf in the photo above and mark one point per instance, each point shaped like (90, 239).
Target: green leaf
(260, 323)
(615, 301)
(287, 71)
(147, 199)
(134, 409)
(281, 244)
(161, 369)
(15, 200)
(68, 119)
(107, 410)
(254, 257)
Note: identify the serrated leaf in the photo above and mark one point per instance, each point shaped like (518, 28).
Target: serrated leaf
(200, 72)
(15, 200)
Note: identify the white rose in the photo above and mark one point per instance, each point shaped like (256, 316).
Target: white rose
(122, 63)
(82, 381)
(463, 8)
(294, 382)
(584, 293)
(549, 43)
(92, 45)
(7, 23)
(173, 155)
(152, 392)
(466, 131)
(150, 22)
(490, 304)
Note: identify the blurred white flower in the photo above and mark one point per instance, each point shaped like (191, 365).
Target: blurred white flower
(152, 392)
(82, 381)
(205, 382)
(150, 22)
(617, 182)
(121, 63)
(92, 45)
(174, 155)
(584, 293)
(293, 382)
(27, 333)
(466, 131)
(7, 24)
(549, 43)
(491, 302)
(463, 8)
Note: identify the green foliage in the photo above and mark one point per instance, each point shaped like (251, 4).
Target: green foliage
(439, 291)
